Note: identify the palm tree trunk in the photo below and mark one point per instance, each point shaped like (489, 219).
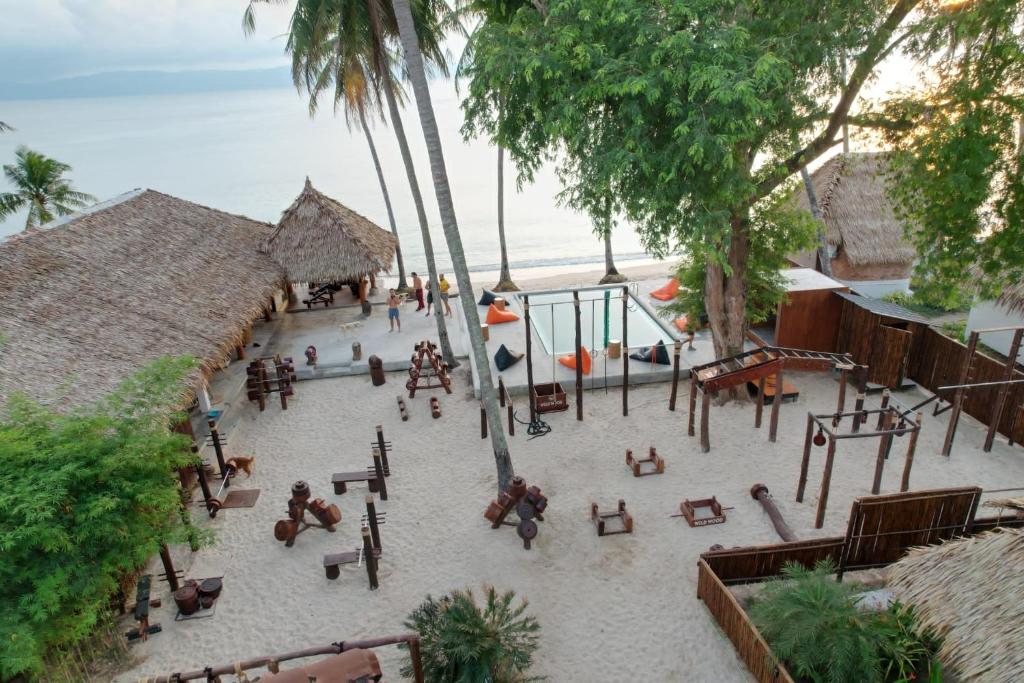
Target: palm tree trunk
(402, 285)
(823, 258)
(414, 62)
(611, 273)
(505, 283)
(410, 170)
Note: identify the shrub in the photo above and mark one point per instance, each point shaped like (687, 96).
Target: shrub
(907, 651)
(460, 642)
(812, 623)
(86, 497)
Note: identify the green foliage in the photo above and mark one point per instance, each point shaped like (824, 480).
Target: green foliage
(956, 329)
(813, 623)
(86, 498)
(906, 651)
(462, 642)
(40, 185)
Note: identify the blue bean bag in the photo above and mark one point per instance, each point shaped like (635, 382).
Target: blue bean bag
(504, 359)
(486, 299)
(653, 354)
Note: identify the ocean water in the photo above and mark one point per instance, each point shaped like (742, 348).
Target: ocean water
(249, 152)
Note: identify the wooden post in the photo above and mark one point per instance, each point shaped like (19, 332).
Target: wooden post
(841, 403)
(693, 404)
(806, 461)
(215, 437)
(382, 447)
(705, 408)
(578, 352)
(826, 479)
(675, 374)
(203, 485)
(625, 353)
(759, 408)
(240, 352)
(483, 421)
(862, 390)
(511, 419)
(165, 558)
(378, 468)
(370, 558)
(958, 398)
(997, 408)
(883, 443)
(909, 462)
(371, 519)
(773, 425)
(529, 360)
(759, 492)
(501, 391)
(417, 663)
(885, 404)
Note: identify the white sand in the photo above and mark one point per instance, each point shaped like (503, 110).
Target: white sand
(610, 608)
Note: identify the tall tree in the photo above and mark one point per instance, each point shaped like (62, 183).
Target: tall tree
(40, 185)
(693, 114)
(418, 77)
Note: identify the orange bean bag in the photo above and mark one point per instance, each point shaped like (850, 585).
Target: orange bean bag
(681, 323)
(666, 292)
(496, 317)
(570, 360)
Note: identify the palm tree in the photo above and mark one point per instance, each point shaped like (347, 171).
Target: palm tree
(418, 77)
(359, 29)
(4, 127)
(41, 186)
(505, 283)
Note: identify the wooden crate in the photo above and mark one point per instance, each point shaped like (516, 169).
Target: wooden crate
(549, 398)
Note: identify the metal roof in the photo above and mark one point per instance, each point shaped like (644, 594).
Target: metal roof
(882, 307)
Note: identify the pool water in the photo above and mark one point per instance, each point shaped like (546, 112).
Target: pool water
(556, 327)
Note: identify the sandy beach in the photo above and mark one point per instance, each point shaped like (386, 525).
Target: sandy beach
(610, 608)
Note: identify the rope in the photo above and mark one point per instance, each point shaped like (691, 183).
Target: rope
(535, 428)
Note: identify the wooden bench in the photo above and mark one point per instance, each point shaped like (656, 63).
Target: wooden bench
(333, 561)
(321, 295)
(341, 479)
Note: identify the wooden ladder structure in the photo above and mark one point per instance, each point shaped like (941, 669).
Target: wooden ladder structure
(758, 364)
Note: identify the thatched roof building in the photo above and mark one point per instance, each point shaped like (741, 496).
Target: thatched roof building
(968, 591)
(867, 238)
(90, 298)
(320, 240)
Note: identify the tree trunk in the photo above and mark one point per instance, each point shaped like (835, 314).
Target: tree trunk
(414, 62)
(611, 273)
(505, 283)
(402, 284)
(410, 170)
(824, 260)
(725, 298)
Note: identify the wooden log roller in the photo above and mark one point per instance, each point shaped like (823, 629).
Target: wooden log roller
(402, 410)
(759, 492)
(435, 407)
(642, 467)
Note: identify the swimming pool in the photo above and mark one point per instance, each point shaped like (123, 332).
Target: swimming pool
(556, 327)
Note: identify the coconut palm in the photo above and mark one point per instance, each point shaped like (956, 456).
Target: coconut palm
(348, 40)
(418, 77)
(41, 186)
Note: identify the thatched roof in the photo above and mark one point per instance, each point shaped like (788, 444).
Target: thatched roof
(851, 194)
(90, 298)
(1012, 297)
(968, 591)
(320, 240)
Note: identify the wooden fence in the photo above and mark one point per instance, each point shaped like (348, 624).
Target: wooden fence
(750, 645)
(937, 360)
(754, 563)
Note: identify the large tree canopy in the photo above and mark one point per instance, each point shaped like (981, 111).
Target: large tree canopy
(690, 116)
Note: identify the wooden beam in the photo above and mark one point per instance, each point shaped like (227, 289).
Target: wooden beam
(578, 353)
(759, 409)
(997, 408)
(691, 418)
(675, 374)
(773, 424)
(806, 460)
(909, 462)
(529, 359)
(958, 398)
(826, 480)
(705, 409)
(731, 379)
(883, 449)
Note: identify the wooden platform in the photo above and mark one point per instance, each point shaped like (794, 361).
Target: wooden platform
(789, 391)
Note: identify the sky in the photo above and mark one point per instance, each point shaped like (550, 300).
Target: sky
(46, 39)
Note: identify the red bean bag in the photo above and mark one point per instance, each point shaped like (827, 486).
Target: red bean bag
(570, 360)
(666, 292)
(496, 317)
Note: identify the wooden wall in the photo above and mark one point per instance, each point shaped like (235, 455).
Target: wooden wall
(862, 334)
(809, 320)
(937, 361)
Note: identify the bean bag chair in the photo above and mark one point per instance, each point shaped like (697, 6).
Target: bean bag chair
(570, 360)
(653, 354)
(666, 292)
(504, 359)
(496, 317)
(486, 299)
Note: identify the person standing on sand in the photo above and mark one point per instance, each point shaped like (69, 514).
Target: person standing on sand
(393, 302)
(443, 285)
(417, 288)
(430, 296)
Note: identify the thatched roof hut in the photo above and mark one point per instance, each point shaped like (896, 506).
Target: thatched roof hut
(863, 230)
(969, 591)
(318, 239)
(92, 297)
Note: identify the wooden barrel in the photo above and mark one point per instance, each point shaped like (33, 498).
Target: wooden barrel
(485, 331)
(614, 348)
(211, 588)
(499, 303)
(187, 599)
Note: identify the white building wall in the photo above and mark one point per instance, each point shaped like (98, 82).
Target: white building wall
(876, 289)
(989, 314)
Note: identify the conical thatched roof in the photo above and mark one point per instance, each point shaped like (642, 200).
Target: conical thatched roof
(851, 194)
(969, 591)
(320, 240)
(90, 298)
